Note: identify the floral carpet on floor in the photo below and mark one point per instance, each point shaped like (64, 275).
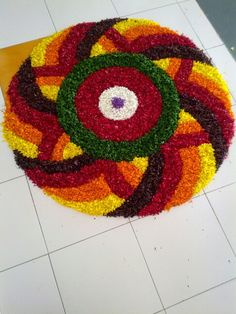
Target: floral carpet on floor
(121, 117)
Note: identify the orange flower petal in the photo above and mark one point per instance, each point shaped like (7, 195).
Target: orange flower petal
(141, 30)
(188, 127)
(190, 175)
(94, 190)
(107, 44)
(57, 153)
(21, 129)
(51, 56)
(49, 80)
(131, 173)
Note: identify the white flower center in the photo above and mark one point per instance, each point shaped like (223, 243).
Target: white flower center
(118, 103)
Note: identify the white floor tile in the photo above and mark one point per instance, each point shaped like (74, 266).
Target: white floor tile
(217, 301)
(172, 17)
(70, 12)
(223, 202)
(8, 167)
(20, 235)
(226, 173)
(186, 250)
(226, 65)
(201, 24)
(105, 274)
(128, 7)
(63, 226)
(23, 21)
(30, 289)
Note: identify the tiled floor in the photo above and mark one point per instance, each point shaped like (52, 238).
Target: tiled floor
(54, 260)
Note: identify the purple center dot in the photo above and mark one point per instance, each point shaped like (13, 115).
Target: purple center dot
(117, 102)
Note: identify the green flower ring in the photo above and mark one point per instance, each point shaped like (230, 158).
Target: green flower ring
(123, 150)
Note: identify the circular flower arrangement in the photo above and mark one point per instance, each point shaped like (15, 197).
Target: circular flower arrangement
(120, 118)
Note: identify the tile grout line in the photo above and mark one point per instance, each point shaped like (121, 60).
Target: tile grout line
(163, 308)
(161, 311)
(45, 242)
(221, 187)
(22, 263)
(54, 275)
(216, 46)
(181, 9)
(115, 8)
(61, 248)
(90, 237)
(22, 175)
(31, 195)
(155, 8)
(200, 293)
(220, 224)
(49, 13)
(180, 1)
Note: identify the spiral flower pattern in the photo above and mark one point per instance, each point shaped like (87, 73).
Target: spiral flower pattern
(121, 117)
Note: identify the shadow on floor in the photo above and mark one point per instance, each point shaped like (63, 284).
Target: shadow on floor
(222, 15)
